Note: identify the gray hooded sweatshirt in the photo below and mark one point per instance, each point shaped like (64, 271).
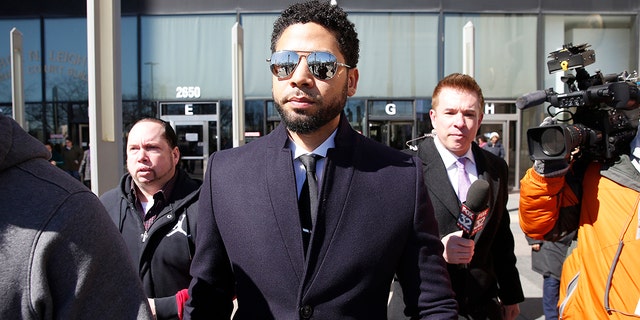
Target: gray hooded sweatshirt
(62, 257)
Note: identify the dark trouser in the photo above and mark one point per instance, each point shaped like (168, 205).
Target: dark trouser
(476, 293)
(75, 174)
(550, 295)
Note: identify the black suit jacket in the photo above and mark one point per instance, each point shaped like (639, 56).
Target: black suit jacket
(375, 220)
(492, 271)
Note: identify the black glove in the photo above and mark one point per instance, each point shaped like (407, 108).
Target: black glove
(551, 168)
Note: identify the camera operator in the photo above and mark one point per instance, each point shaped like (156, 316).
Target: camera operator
(600, 278)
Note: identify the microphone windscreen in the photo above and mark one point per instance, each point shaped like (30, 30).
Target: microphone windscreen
(478, 195)
(531, 99)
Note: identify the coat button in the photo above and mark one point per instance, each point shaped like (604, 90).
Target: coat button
(306, 311)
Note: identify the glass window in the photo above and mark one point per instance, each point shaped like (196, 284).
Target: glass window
(133, 111)
(423, 121)
(186, 57)
(31, 57)
(398, 54)
(254, 116)
(272, 111)
(226, 109)
(129, 40)
(505, 52)
(34, 114)
(257, 48)
(66, 59)
(6, 110)
(354, 111)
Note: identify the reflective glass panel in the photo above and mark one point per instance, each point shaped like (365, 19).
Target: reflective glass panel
(398, 54)
(505, 52)
(66, 59)
(31, 57)
(186, 57)
(129, 40)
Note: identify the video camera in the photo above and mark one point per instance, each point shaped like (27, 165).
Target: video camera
(605, 119)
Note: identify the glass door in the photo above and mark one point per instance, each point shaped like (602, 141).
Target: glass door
(196, 141)
(506, 130)
(191, 145)
(392, 133)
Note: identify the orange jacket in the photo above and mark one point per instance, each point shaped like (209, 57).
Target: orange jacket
(607, 221)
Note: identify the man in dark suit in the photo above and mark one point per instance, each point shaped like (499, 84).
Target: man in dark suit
(373, 218)
(489, 287)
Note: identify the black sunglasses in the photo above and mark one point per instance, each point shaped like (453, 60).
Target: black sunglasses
(323, 65)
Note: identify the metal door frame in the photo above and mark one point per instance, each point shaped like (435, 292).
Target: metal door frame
(387, 122)
(505, 120)
(203, 120)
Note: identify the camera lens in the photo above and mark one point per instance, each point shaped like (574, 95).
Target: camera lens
(552, 141)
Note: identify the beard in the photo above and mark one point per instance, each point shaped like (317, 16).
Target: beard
(308, 121)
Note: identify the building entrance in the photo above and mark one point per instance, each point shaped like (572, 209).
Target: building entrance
(198, 134)
(505, 124)
(391, 122)
(392, 133)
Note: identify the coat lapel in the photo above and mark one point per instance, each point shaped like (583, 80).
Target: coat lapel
(486, 171)
(337, 177)
(435, 170)
(338, 172)
(281, 185)
(336, 183)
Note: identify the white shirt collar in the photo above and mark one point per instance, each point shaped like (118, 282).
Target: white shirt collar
(298, 167)
(448, 157)
(320, 150)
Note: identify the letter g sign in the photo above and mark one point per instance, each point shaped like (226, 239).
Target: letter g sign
(390, 109)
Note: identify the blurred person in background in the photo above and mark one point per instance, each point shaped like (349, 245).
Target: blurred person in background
(494, 145)
(72, 156)
(56, 157)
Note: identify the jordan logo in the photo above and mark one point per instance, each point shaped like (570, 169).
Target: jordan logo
(178, 227)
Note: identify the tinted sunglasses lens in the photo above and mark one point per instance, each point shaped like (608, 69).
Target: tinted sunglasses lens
(323, 65)
(283, 63)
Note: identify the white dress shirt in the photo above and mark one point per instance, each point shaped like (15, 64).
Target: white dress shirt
(449, 159)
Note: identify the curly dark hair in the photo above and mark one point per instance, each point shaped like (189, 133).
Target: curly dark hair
(327, 15)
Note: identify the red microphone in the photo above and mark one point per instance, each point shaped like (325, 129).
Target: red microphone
(473, 212)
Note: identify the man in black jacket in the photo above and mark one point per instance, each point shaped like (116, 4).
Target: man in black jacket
(71, 156)
(155, 209)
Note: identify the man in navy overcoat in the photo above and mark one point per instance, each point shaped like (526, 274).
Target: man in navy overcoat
(374, 218)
